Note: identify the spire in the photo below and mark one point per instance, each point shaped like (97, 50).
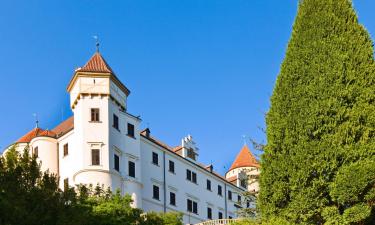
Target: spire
(96, 64)
(244, 159)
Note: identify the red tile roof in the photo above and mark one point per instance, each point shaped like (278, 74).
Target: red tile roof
(244, 159)
(96, 64)
(64, 127)
(36, 132)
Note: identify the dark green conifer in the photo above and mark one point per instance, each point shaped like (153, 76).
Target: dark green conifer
(321, 123)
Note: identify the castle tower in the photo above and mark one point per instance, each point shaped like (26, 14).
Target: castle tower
(244, 171)
(106, 137)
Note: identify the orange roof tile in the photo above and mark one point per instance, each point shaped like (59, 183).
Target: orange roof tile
(36, 132)
(232, 178)
(244, 159)
(64, 127)
(96, 64)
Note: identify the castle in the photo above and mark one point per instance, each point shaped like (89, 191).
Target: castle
(102, 144)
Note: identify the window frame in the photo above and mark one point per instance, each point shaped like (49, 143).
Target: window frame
(155, 158)
(209, 185)
(93, 162)
(209, 213)
(219, 190)
(129, 169)
(171, 166)
(116, 162)
(156, 192)
(95, 115)
(115, 123)
(66, 149)
(36, 152)
(131, 128)
(172, 196)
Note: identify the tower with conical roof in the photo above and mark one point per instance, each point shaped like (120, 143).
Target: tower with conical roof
(244, 171)
(105, 145)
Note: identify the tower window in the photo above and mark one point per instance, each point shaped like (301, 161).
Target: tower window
(155, 158)
(115, 121)
(117, 162)
(130, 130)
(95, 157)
(131, 169)
(66, 150)
(35, 152)
(243, 183)
(172, 198)
(155, 193)
(95, 115)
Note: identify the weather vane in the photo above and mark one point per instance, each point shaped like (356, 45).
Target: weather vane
(97, 42)
(36, 120)
(244, 139)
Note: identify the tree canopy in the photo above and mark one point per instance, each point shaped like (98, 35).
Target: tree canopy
(30, 197)
(318, 164)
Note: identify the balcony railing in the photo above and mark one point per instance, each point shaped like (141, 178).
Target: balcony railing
(218, 222)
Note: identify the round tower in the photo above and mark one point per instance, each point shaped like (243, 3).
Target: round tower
(245, 170)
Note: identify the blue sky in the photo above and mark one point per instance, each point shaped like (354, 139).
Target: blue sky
(200, 67)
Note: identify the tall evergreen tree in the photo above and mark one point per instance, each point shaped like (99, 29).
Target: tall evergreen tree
(319, 162)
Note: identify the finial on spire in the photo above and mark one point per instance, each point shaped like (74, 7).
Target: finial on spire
(36, 120)
(97, 42)
(244, 139)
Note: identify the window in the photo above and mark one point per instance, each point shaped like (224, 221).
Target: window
(229, 217)
(66, 184)
(155, 192)
(171, 166)
(131, 169)
(95, 115)
(115, 121)
(188, 175)
(95, 157)
(172, 198)
(220, 215)
(192, 206)
(130, 130)
(194, 176)
(155, 158)
(229, 195)
(35, 153)
(117, 162)
(209, 213)
(66, 150)
(247, 204)
(219, 190)
(209, 185)
(191, 153)
(191, 176)
(239, 200)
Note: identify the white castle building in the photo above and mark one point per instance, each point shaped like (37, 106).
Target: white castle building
(102, 144)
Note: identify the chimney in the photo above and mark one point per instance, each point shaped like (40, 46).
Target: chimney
(147, 131)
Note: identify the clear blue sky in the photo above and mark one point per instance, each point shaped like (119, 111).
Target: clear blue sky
(200, 67)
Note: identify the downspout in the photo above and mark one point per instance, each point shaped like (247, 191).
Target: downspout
(164, 185)
(225, 196)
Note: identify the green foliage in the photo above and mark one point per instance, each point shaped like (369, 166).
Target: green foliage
(318, 165)
(29, 197)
